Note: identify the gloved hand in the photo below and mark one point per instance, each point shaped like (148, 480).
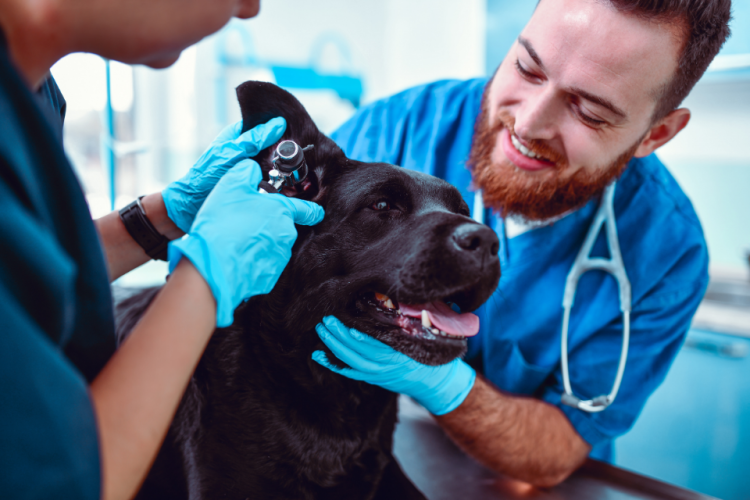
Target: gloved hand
(185, 196)
(440, 389)
(241, 239)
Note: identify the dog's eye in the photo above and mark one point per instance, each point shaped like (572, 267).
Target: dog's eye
(381, 205)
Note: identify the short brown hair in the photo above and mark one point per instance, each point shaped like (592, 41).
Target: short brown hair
(705, 27)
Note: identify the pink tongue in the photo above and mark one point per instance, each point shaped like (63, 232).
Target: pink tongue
(444, 318)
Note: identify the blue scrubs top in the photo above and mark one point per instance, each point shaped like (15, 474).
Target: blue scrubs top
(56, 321)
(429, 129)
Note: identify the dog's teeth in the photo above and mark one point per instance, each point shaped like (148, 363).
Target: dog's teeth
(426, 319)
(436, 331)
(384, 300)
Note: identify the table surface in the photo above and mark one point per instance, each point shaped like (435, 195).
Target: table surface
(442, 471)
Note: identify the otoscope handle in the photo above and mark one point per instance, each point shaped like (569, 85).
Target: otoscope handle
(267, 187)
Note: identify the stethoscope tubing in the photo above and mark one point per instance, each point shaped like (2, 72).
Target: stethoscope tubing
(615, 266)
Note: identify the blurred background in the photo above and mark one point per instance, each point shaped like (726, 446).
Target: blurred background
(131, 130)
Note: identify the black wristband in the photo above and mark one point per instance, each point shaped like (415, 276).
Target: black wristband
(143, 232)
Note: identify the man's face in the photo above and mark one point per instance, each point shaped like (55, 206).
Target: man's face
(154, 33)
(578, 89)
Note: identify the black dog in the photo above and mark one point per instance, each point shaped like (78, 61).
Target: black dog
(260, 418)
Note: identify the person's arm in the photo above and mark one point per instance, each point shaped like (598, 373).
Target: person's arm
(238, 247)
(521, 437)
(173, 211)
(524, 438)
(122, 253)
(136, 394)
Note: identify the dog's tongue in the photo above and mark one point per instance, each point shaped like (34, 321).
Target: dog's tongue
(444, 318)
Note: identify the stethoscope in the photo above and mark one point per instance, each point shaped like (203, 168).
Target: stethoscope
(605, 215)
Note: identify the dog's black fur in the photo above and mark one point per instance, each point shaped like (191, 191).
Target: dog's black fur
(260, 418)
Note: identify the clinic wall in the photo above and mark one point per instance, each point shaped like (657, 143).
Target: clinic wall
(391, 45)
(505, 20)
(395, 44)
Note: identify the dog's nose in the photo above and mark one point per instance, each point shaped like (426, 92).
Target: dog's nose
(476, 238)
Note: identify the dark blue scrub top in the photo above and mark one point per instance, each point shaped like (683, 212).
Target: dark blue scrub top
(56, 321)
(430, 129)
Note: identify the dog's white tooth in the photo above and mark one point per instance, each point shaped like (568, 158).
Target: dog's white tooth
(426, 319)
(436, 331)
(389, 304)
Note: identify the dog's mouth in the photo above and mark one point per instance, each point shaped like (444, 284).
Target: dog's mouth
(434, 320)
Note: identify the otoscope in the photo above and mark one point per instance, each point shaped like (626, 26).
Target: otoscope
(289, 168)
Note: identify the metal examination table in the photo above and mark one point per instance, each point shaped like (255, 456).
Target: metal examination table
(443, 472)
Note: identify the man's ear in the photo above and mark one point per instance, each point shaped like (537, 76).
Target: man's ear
(663, 131)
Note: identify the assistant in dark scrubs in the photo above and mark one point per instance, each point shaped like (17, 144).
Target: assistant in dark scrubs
(56, 322)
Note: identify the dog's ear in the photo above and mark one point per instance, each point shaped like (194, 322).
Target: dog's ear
(261, 101)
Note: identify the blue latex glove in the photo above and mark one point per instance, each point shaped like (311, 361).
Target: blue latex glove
(440, 389)
(241, 239)
(184, 197)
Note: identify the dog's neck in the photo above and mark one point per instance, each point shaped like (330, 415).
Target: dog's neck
(288, 341)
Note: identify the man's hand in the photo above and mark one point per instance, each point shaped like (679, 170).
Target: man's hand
(521, 437)
(241, 239)
(183, 198)
(440, 389)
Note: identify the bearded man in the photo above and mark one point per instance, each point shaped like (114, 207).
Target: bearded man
(588, 92)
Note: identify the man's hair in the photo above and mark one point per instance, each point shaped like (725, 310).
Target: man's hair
(704, 26)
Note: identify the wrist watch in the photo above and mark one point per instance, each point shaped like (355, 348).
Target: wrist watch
(143, 232)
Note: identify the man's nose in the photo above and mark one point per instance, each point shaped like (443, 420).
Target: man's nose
(536, 117)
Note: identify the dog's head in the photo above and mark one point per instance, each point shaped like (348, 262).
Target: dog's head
(397, 254)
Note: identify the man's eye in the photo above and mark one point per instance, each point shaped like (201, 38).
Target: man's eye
(381, 205)
(591, 121)
(524, 72)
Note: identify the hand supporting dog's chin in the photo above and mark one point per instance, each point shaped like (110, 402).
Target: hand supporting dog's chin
(433, 352)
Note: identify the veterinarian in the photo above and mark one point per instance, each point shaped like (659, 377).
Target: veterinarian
(77, 421)
(585, 96)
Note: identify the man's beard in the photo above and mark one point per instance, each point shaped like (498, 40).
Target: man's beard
(512, 191)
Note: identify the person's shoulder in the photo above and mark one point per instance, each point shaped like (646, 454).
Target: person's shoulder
(53, 103)
(381, 130)
(649, 179)
(442, 91)
(665, 233)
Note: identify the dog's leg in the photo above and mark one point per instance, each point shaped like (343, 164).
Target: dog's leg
(129, 311)
(396, 486)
